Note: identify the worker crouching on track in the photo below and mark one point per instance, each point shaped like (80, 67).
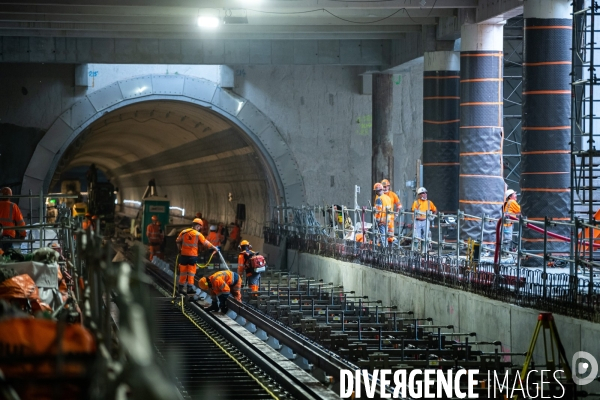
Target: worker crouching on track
(155, 238)
(220, 286)
(188, 242)
(245, 266)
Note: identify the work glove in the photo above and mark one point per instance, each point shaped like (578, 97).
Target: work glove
(213, 307)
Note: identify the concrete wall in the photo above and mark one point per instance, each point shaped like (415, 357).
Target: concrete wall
(318, 109)
(491, 320)
(327, 123)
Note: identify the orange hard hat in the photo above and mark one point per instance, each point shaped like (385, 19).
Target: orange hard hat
(95, 217)
(385, 182)
(378, 186)
(197, 221)
(154, 218)
(88, 215)
(6, 191)
(244, 243)
(203, 284)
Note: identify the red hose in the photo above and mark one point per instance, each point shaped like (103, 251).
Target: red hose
(498, 241)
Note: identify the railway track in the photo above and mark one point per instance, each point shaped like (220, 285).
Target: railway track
(212, 356)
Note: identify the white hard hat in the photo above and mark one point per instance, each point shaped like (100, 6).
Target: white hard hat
(509, 193)
(421, 190)
(213, 228)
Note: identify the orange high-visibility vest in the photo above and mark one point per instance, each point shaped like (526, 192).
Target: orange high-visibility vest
(191, 238)
(213, 237)
(235, 233)
(395, 200)
(513, 208)
(87, 224)
(423, 206)
(154, 234)
(10, 215)
(383, 208)
(221, 282)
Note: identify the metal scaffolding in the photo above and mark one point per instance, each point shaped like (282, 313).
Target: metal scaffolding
(585, 130)
(513, 82)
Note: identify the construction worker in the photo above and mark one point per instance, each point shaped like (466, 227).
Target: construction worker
(10, 215)
(234, 236)
(421, 224)
(213, 236)
(155, 237)
(383, 213)
(220, 286)
(188, 242)
(88, 223)
(252, 277)
(393, 196)
(511, 208)
(204, 230)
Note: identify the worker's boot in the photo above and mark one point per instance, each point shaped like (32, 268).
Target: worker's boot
(182, 289)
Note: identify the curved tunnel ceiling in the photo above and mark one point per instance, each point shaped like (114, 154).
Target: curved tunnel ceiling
(196, 157)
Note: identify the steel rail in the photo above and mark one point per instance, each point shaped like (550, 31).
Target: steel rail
(297, 385)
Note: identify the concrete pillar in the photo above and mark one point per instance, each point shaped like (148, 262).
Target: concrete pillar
(441, 96)
(382, 161)
(481, 182)
(546, 125)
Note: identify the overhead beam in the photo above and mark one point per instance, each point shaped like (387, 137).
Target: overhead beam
(253, 18)
(232, 4)
(498, 11)
(300, 32)
(210, 52)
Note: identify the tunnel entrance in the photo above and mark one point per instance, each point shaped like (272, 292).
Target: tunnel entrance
(207, 148)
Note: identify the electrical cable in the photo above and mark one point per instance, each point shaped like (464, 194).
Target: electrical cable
(431, 9)
(335, 16)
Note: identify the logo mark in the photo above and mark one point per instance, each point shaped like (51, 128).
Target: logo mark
(584, 363)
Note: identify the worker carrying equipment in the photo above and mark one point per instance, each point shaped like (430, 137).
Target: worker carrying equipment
(420, 208)
(221, 285)
(155, 237)
(10, 215)
(251, 265)
(188, 242)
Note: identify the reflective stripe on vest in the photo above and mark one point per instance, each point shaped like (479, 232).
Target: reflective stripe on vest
(189, 246)
(153, 233)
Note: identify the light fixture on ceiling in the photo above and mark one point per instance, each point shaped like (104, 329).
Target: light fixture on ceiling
(208, 21)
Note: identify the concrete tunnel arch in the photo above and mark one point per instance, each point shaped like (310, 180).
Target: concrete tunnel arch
(282, 173)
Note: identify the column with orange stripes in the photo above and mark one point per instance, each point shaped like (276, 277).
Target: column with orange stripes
(481, 182)
(441, 77)
(546, 126)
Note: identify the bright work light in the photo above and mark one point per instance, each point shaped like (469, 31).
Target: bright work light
(208, 22)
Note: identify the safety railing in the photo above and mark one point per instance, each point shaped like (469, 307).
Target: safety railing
(331, 231)
(41, 227)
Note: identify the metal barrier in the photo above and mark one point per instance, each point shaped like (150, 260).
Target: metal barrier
(321, 230)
